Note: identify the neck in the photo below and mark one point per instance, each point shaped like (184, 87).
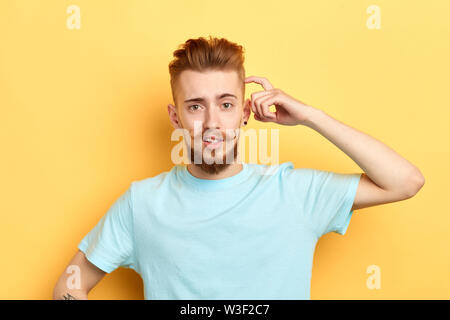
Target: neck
(230, 170)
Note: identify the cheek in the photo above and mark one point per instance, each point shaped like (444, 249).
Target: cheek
(233, 119)
(188, 121)
(237, 121)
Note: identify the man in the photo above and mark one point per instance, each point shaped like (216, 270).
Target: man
(227, 229)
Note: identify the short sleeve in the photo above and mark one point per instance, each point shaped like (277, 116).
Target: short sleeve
(326, 197)
(109, 244)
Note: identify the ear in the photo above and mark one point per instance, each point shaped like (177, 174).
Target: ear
(173, 116)
(246, 112)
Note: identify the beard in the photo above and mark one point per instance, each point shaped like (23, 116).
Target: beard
(215, 168)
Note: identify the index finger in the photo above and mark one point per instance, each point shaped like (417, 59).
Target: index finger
(262, 81)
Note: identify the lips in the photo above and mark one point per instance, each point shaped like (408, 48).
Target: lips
(212, 139)
(212, 144)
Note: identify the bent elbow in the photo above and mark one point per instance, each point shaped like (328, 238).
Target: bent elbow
(415, 184)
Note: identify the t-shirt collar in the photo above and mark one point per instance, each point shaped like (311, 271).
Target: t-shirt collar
(216, 184)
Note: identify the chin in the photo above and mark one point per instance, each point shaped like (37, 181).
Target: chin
(215, 168)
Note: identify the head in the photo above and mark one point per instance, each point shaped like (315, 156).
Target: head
(208, 90)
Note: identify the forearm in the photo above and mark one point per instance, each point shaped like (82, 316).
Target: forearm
(380, 163)
(60, 293)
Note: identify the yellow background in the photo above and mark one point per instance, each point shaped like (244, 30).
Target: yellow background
(84, 113)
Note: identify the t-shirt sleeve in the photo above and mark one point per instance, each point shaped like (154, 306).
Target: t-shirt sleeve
(109, 244)
(326, 197)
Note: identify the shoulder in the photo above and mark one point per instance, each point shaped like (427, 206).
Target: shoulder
(270, 170)
(287, 170)
(283, 173)
(155, 182)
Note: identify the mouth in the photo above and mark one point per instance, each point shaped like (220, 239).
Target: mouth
(212, 142)
(212, 145)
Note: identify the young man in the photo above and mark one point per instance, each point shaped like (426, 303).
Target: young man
(227, 229)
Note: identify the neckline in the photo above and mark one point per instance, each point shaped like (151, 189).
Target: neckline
(216, 184)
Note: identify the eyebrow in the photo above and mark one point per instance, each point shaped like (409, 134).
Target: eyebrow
(202, 99)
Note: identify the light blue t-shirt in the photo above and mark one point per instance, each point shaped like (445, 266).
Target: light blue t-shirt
(248, 236)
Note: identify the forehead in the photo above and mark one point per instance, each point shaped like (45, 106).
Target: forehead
(193, 84)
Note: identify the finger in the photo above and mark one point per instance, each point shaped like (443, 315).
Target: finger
(265, 103)
(258, 107)
(262, 81)
(258, 94)
(262, 105)
(255, 96)
(252, 106)
(259, 118)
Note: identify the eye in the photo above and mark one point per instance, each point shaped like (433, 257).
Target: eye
(194, 105)
(228, 104)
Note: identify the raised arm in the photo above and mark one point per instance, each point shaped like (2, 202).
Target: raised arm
(387, 176)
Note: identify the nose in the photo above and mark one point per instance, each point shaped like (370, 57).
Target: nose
(212, 119)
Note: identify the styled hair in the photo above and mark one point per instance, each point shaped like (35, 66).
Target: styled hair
(203, 54)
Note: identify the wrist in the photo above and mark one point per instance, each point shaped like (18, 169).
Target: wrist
(312, 116)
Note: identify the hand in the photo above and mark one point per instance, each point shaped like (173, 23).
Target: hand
(289, 111)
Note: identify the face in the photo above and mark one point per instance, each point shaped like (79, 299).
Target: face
(210, 107)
